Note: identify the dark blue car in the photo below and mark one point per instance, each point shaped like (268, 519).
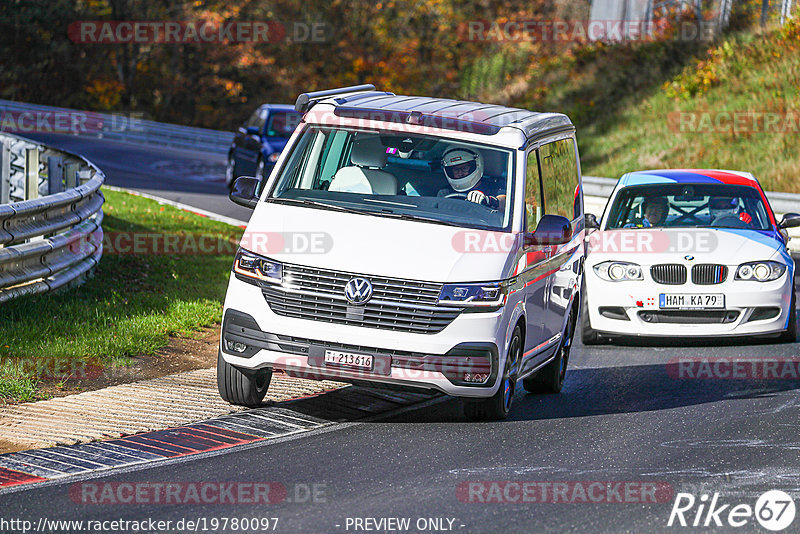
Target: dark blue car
(259, 142)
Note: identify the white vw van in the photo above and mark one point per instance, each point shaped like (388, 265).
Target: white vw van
(410, 242)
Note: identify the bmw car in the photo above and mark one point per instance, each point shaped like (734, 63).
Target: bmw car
(689, 253)
(259, 141)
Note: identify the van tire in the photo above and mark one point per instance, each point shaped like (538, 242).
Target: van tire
(239, 387)
(790, 334)
(497, 407)
(550, 379)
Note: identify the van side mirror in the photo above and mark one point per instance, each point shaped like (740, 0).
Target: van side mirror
(251, 130)
(790, 220)
(591, 222)
(244, 191)
(551, 230)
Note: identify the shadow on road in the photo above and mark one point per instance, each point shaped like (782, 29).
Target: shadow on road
(641, 388)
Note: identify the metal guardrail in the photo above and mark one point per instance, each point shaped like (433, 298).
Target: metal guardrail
(21, 118)
(46, 242)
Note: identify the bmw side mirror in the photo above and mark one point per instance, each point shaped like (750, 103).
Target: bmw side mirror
(591, 222)
(551, 230)
(251, 130)
(790, 220)
(244, 190)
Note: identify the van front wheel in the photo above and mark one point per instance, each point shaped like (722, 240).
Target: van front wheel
(241, 388)
(496, 407)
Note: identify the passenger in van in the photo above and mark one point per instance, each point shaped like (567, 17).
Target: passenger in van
(463, 169)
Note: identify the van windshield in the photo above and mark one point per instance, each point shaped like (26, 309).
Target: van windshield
(387, 174)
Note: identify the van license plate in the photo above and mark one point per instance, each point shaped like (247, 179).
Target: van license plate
(348, 359)
(691, 301)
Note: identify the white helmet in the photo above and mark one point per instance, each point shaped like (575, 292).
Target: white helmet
(463, 168)
(721, 206)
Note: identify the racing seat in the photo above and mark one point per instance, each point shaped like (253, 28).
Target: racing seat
(365, 175)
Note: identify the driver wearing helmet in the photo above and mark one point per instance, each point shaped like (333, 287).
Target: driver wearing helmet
(720, 207)
(464, 171)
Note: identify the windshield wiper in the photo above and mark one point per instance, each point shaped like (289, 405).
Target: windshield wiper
(384, 212)
(410, 217)
(323, 205)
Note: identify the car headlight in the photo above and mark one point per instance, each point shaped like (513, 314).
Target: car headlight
(489, 295)
(272, 158)
(253, 268)
(760, 271)
(618, 271)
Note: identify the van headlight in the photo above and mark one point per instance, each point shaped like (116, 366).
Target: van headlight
(618, 271)
(272, 158)
(252, 268)
(760, 271)
(489, 294)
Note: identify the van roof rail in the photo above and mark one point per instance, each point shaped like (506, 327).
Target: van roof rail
(304, 100)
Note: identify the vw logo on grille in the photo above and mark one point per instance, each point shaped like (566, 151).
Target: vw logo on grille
(358, 290)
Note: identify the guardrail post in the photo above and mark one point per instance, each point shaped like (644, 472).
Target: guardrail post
(55, 175)
(31, 173)
(84, 176)
(5, 173)
(71, 175)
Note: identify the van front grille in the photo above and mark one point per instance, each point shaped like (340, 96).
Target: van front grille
(396, 304)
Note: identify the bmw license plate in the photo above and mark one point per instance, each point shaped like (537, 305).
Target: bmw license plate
(691, 301)
(348, 359)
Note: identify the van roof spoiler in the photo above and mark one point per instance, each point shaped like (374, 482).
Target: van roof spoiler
(306, 100)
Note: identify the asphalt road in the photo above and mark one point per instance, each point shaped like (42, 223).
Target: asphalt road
(622, 417)
(628, 417)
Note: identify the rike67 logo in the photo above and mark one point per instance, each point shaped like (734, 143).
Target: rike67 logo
(773, 510)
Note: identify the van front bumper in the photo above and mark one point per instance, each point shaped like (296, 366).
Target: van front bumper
(467, 369)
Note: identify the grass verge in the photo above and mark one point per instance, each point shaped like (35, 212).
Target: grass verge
(131, 306)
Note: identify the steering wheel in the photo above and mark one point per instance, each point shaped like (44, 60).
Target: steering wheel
(456, 195)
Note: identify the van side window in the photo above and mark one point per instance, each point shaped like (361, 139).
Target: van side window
(533, 193)
(334, 156)
(560, 179)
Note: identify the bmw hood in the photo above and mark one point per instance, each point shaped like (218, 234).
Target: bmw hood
(726, 246)
(378, 246)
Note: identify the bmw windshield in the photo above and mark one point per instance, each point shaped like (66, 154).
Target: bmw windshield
(689, 205)
(388, 174)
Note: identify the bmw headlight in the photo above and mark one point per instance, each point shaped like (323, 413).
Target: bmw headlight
(490, 294)
(618, 271)
(760, 271)
(253, 268)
